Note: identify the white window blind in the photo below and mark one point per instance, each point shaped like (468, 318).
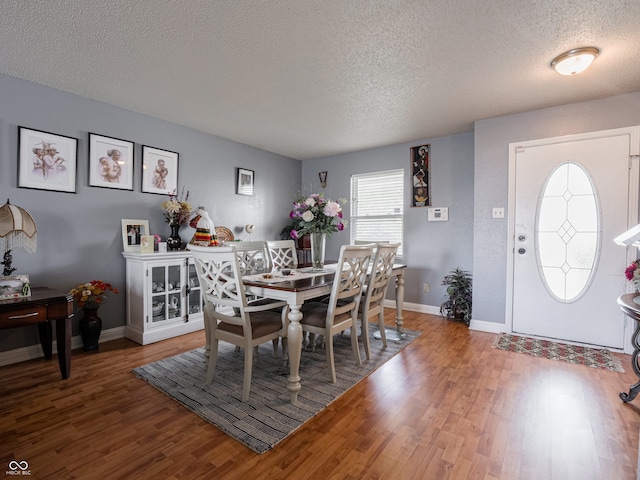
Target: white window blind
(377, 207)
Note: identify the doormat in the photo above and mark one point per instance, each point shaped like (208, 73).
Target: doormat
(535, 347)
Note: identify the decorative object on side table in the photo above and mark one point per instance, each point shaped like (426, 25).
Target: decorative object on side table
(17, 230)
(320, 218)
(459, 290)
(16, 286)
(206, 233)
(632, 272)
(177, 211)
(89, 296)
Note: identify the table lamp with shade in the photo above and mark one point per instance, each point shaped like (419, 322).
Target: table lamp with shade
(17, 230)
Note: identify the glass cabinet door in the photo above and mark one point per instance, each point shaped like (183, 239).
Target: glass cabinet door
(194, 297)
(166, 292)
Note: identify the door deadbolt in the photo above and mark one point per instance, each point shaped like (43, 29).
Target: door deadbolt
(522, 238)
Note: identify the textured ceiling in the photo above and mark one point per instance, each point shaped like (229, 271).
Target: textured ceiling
(309, 78)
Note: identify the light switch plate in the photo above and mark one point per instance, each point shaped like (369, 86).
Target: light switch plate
(438, 214)
(498, 212)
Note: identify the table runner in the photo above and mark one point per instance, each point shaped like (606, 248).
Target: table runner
(277, 277)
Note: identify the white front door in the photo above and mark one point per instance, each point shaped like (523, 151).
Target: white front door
(572, 197)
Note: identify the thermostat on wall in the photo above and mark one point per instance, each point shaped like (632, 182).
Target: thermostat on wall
(438, 214)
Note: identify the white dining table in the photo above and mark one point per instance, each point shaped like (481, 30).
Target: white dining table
(297, 289)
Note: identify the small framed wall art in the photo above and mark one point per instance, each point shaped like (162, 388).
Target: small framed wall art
(421, 176)
(244, 185)
(110, 162)
(46, 161)
(132, 233)
(159, 171)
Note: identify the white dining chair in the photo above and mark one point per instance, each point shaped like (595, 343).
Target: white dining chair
(221, 284)
(283, 253)
(375, 290)
(253, 256)
(367, 242)
(341, 310)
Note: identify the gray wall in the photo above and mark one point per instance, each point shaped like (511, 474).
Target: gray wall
(79, 235)
(492, 138)
(431, 249)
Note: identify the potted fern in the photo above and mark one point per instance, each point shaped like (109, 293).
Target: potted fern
(459, 292)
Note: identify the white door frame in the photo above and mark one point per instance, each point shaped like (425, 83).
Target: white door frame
(632, 218)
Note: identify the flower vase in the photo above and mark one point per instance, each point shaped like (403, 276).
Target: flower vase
(318, 241)
(90, 328)
(174, 242)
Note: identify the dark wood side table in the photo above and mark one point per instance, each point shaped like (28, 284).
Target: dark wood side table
(632, 309)
(42, 307)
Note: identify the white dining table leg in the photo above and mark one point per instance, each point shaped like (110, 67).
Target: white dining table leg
(397, 334)
(399, 301)
(294, 339)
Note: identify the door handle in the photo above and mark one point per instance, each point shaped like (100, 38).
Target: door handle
(521, 251)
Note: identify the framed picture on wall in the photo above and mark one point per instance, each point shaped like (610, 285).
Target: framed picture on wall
(132, 233)
(110, 162)
(244, 185)
(159, 171)
(421, 176)
(46, 161)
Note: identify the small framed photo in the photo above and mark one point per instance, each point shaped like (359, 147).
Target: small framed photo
(110, 162)
(147, 243)
(46, 161)
(245, 182)
(159, 171)
(132, 233)
(16, 286)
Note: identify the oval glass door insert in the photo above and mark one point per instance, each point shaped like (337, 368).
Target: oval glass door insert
(568, 232)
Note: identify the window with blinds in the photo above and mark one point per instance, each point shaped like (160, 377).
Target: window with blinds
(377, 207)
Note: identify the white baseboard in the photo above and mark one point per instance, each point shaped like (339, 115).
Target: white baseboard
(479, 325)
(35, 351)
(489, 327)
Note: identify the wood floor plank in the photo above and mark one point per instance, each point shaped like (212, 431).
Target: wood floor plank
(447, 407)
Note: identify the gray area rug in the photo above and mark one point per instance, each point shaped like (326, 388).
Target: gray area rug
(268, 417)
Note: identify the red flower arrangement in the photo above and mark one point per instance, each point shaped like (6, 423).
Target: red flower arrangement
(91, 294)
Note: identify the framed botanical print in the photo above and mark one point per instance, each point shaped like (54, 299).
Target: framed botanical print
(110, 162)
(421, 176)
(244, 185)
(159, 171)
(46, 161)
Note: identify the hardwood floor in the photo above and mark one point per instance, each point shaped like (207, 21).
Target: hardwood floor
(447, 407)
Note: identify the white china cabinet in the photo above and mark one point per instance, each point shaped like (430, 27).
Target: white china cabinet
(163, 296)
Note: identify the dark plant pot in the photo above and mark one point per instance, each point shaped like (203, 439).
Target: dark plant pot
(90, 328)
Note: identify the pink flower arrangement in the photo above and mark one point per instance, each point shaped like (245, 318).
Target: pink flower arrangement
(315, 214)
(632, 272)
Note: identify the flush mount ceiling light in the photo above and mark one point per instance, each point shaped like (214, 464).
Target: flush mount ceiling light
(574, 61)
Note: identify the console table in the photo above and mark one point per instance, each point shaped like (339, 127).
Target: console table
(42, 307)
(632, 309)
